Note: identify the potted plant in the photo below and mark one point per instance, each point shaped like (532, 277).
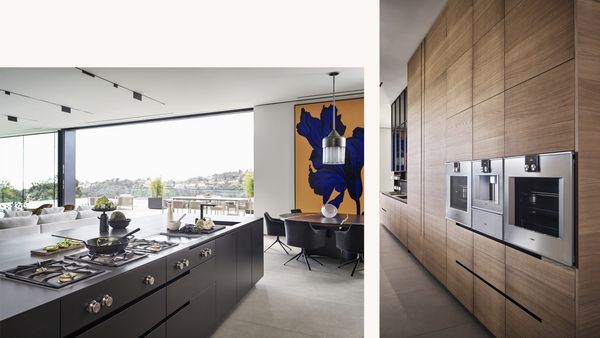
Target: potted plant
(157, 191)
(248, 183)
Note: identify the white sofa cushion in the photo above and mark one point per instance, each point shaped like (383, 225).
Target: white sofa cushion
(17, 213)
(56, 210)
(87, 214)
(84, 207)
(58, 217)
(15, 222)
(72, 224)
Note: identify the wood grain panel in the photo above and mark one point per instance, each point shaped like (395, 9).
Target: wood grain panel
(434, 239)
(545, 288)
(588, 296)
(509, 5)
(435, 48)
(588, 28)
(414, 114)
(488, 64)
(459, 247)
(489, 307)
(460, 93)
(539, 113)
(459, 136)
(520, 324)
(489, 261)
(539, 36)
(486, 14)
(488, 128)
(460, 28)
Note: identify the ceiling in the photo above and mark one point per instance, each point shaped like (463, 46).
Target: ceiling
(180, 91)
(403, 25)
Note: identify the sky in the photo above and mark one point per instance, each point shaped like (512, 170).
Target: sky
(176, 149)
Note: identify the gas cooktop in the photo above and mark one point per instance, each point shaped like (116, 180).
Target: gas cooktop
(52, 273)
(112, 260)
(148, 245)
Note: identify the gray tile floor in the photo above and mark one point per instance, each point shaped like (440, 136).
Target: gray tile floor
(413, 303)
(290, 301)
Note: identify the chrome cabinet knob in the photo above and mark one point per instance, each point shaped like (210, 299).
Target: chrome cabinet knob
(532, 167)
(107, 300)
(179, 265)
(206, 252)
(149, 280)
(186, 262)
(93, 307)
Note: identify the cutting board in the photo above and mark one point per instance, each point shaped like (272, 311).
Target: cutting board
(42, 252)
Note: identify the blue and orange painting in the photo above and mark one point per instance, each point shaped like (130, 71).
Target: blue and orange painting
(316, 183)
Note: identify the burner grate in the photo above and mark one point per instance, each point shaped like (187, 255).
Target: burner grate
(112, 260)
(149, 246)
(52, 273)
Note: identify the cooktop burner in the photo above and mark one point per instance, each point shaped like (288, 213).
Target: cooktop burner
(113, 260)
(148, 245)
(52, 273)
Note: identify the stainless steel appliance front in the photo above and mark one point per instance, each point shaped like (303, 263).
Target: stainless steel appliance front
(458, 192)
(539, 204)
(487, 196)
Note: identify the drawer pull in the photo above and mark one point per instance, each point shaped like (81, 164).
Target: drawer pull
(206, 252)
(107, 300)
(182, 264)
(93, 307)
(149, 280)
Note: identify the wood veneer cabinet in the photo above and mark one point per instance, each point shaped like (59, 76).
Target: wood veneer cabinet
(489, 261)
(459, 251)
(545, 288)
(414, 115)
(486, 14)
(539, 37)
(459, 136)
(540, 113)
(459, 92)
(489, 306)
(459, 19)
(488, 128)
(488, 64)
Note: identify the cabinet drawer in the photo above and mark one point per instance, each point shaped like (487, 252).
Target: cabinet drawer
(198, 316)
(489, 307)
(133, 321)
(186, 259)
(123, 289)
(159, 332)
(488, 261)
(190, 285)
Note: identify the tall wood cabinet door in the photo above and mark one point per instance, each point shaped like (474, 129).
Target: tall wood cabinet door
(540, 113)
(459, 136)
(402, 219)
(545, 288)
(435, 47)
(459, 254)
(489, 306)
(488, 128)
(539, 37)
(488, 64)
(459, 18)
(460, 91)
(486, 14)
(434, 240)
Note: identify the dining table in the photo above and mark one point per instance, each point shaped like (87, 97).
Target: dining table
(332, 224)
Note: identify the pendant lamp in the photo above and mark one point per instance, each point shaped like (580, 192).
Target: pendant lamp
(334, 145)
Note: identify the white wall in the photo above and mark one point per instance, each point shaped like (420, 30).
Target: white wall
(386, 180)
(273, 159)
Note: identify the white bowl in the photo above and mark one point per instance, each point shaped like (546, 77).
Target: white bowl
(329, 210)
(173, 225)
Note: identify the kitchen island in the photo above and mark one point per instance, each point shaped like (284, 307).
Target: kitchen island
(183, 290)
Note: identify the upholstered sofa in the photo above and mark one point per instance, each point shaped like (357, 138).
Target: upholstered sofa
(22, 224)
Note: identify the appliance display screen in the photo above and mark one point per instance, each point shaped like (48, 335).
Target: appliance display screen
(459, 191)
(487, 188)
(537, 204)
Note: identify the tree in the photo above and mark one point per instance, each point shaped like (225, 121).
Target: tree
(8, 193)
(249, 184)
(43, 190)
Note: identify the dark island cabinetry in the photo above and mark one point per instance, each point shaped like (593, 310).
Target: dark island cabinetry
(182, 300)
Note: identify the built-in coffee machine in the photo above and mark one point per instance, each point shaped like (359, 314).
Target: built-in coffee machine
(487, 197)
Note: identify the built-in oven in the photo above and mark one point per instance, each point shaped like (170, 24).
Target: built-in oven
(487, 196)
(539, 204)
(458, 192)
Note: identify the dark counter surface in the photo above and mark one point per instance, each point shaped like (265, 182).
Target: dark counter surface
(396, 197)
(17, 297)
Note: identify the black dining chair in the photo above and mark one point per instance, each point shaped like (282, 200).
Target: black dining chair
(304, 236)
(296, 211)
(352, 241)
(275, 227)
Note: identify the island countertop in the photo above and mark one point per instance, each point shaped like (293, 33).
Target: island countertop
(18, 297)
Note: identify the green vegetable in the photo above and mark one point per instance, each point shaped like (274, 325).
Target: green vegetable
(104, 203)
(104, 241)
(51, 248)
(117, 216)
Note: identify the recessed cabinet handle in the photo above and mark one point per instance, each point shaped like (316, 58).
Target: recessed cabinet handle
(93, 307)
(107, 300)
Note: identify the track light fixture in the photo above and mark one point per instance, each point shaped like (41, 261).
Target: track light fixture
(6, 92)
(65, 109)
(136, 95)
(12, 118)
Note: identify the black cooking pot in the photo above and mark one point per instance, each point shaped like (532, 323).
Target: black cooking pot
(105, 245)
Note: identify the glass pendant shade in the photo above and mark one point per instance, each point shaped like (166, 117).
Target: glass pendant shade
(334, 148)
